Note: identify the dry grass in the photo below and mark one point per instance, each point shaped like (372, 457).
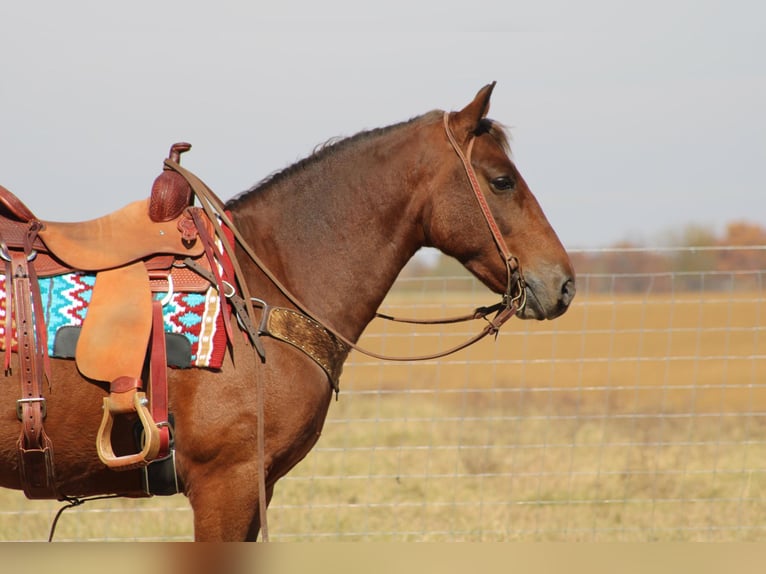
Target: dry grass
(486, 472)
(630, 418)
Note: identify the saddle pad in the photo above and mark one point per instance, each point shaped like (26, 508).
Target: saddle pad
(197, 316)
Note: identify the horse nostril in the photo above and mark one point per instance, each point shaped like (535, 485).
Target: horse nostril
(568, 290)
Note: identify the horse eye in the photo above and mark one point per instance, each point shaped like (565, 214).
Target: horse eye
(503, 183)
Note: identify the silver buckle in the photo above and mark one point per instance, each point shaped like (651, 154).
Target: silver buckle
(21, 402)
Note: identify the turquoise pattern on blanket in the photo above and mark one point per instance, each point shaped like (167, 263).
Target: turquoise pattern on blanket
(178, 318)
(65, 299)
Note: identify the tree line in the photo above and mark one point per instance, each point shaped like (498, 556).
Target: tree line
(694, 259)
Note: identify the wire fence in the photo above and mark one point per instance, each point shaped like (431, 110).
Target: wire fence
(638, 415)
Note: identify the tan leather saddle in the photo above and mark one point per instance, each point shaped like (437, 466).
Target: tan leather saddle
(134, 252)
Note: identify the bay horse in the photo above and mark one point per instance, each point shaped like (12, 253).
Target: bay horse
(336, 229)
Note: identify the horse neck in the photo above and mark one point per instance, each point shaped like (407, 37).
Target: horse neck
(337, 230)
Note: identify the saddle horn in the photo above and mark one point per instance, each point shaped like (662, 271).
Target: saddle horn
(171, 193)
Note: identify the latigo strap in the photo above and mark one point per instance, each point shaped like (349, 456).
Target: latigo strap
(35, 449)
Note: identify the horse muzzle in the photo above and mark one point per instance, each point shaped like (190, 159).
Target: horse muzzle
(547, 299)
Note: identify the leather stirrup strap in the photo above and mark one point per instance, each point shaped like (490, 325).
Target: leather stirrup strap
(158, 384)
(125, 396)
(151, 407)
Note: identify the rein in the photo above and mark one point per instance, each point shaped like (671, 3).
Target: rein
(513, 299)
(511, 303)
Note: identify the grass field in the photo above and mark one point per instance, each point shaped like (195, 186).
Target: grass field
(631, 418)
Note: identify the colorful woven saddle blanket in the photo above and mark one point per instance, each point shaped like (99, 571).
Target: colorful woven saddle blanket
(196, 317)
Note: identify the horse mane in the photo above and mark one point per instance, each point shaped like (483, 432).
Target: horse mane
(339, 143)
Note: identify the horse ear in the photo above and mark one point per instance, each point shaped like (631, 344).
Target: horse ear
(467, 120)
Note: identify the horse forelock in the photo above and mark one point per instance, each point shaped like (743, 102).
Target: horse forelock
(498, 131)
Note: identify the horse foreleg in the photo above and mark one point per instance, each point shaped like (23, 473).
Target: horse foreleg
(255, 525)
(225, 504)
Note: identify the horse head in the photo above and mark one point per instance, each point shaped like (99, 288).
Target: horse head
(456, 224)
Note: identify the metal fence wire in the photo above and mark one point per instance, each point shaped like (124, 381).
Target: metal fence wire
(638, 415)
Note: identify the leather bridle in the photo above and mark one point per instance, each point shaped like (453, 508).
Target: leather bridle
(515, 279)
(515, 296)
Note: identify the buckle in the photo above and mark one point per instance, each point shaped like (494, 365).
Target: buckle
(5, 254)
(21, 402)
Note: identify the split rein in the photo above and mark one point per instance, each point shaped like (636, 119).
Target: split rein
(512, 302)
(513, 299)
(515, 296)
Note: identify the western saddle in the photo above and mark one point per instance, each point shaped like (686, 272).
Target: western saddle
(147, 247)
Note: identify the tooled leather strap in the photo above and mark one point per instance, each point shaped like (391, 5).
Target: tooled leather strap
(307, 335)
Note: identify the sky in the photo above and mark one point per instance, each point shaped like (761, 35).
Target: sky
(629, 120)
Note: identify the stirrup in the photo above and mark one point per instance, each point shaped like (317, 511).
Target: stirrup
(152, 441)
